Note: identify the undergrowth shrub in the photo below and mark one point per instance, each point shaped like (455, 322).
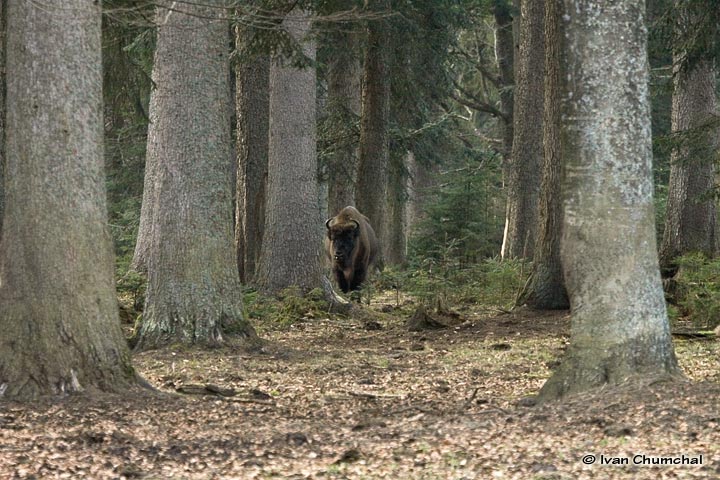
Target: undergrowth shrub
(441, 283)
(697, 290)
(124, 159)
(289, 307)
(463, 217)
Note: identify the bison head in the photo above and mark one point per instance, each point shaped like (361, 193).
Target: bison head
(343, 239)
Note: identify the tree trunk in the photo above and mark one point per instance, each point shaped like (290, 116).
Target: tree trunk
(3, 80)
(58, 311)
(421, 180)
(252, 100)
(546, 289)
(293, 223)
(524, 177)
(372, 181)
(619, 323)
(344, 99)
(505, 56)
(193, 286)
(397, 203)
(146, 226)
(691, 217)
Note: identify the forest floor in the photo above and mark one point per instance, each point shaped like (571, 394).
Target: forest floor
(340, 398)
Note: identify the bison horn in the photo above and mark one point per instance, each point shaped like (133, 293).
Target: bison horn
(327, 224)
(357, 224)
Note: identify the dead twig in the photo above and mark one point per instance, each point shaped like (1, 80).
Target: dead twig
(469, 401)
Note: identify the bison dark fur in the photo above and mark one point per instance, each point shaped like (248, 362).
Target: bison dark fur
(352, 247)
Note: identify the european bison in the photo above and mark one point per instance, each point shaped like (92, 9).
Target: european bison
(352, 247)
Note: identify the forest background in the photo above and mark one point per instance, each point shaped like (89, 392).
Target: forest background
(441, 121)
(449, 135)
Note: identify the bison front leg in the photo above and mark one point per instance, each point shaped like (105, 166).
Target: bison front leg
(341, 281)
(358, 279)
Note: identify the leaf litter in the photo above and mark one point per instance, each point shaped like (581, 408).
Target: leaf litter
(332, 399)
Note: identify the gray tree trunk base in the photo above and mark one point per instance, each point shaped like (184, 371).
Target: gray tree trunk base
(193, 321)
(620, 327)
(580, 370)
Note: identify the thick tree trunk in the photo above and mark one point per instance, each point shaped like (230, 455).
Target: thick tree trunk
(252, 101)
(691, 216)
(58, 311)
(372, 181)
(293, 223)
(193, 285)
(344, 100)
(619, 323)
(546, 288)
(3, 79)
(524, 177)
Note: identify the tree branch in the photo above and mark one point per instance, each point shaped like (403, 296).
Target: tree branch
(478, 105)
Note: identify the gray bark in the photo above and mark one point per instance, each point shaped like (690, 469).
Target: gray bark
(3, 77)
(252, 101)
(193, 289)
(58, 310)
(691, 215)
(546, 287)
(524, 177)
(372, 180)
(145, 228)
(344, 101)
(619, 323)
(292, 243)
(3, 88)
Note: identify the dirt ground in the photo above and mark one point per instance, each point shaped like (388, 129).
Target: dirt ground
(340, 398)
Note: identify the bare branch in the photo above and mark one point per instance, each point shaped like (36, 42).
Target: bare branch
(480, 67)
(478, 105)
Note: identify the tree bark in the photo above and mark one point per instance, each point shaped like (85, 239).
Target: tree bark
(145, 228)
(193, 289)
(58, 311)
(3, 87)
(546, 288)
(293, 222)
(691, 215)
(505, 57)
(397, 206)
(253, 116)
(344, 104)
(372, 181)
(524, 177)
(619, 324)
(421, 180)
